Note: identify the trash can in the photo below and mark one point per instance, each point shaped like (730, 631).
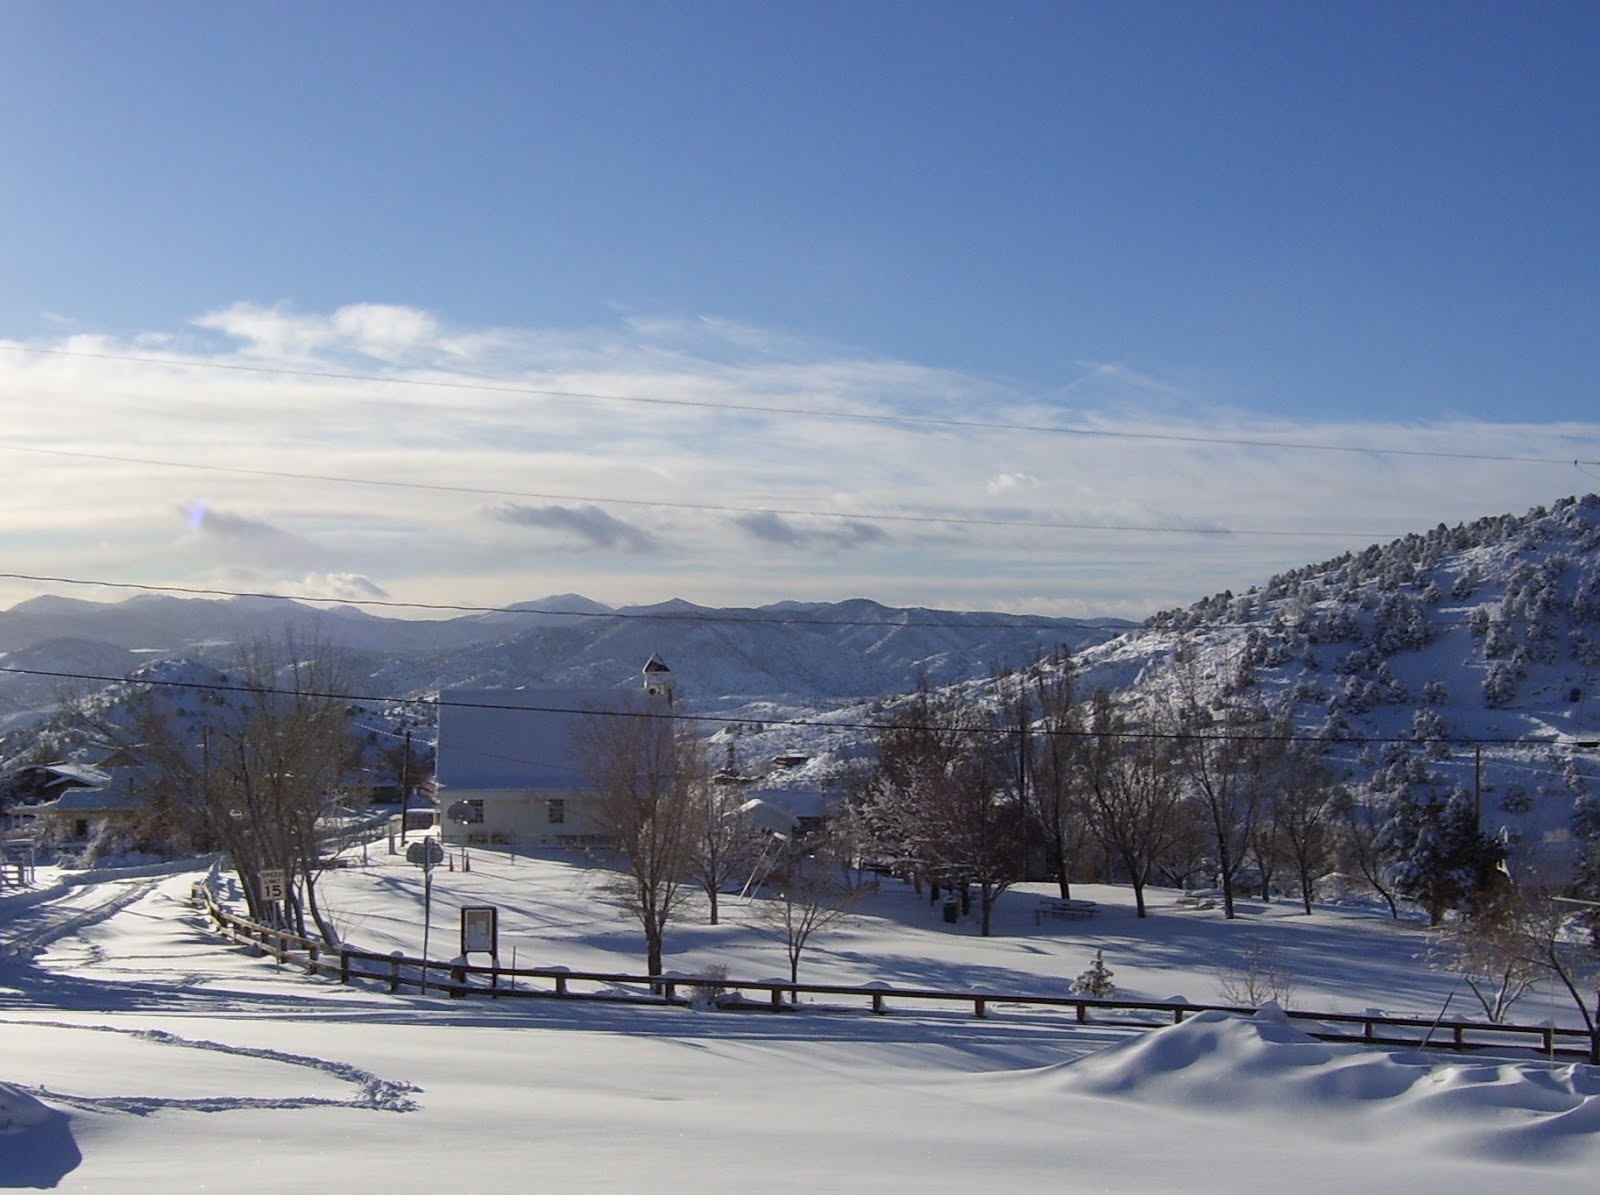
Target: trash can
(952, 910)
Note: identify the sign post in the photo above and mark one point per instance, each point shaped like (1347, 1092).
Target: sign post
(463, 815)
(480, 930)
(426, 854)
(273, 888)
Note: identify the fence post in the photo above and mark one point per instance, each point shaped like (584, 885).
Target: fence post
(312, 952)
(1083, 1012)
(979, 1007)
(877, 1003)
(458, 982)
(394, 971)
(344, 964)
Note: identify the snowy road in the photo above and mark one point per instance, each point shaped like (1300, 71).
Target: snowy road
(31, 919)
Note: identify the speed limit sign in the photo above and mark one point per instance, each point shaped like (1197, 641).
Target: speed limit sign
(273, 885)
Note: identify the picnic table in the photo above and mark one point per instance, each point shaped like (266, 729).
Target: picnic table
(1071, 910)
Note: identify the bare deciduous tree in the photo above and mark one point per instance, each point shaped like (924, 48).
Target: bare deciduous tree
(1053, 748)
(253, 765)
(1359, 827)
(938, 803)
(812, 889)
(1133, 795)
(1302, 811)
(1483, 949)
(726, 845)
(643, 769)
(1529, 929)
(274, 762)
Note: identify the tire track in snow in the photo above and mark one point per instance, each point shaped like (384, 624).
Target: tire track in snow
(57, 916)
(374, 1093)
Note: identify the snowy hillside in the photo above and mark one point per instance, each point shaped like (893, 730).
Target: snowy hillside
(1465, 657)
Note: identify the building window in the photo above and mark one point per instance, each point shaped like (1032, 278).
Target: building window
(555, 811)
(475, 812)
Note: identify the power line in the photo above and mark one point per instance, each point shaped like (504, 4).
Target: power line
(705, 507)
(437, 703)
(806, 412)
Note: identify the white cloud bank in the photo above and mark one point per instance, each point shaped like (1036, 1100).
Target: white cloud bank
(701, 458)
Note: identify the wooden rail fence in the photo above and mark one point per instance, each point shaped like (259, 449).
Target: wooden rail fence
(460, 979)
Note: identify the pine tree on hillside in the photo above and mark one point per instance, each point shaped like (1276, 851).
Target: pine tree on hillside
(1437, 855)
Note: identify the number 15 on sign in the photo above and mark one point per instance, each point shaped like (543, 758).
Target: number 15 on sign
(274, 886)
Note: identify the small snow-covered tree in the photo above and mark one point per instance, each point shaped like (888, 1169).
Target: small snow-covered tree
(1095, 980)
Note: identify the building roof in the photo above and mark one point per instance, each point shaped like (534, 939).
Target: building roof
(48, 774)
(522, 738)
(92, 800)
(796, 802)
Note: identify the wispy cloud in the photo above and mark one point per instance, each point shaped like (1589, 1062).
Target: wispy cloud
(220, 524)
(384, 332)
(350, 587)
(769, 528)
(588, 525)
(657, 437)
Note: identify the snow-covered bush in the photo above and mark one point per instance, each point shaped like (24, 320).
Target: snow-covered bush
(1095, 980)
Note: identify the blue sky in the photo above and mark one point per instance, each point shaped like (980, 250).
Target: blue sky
(1352, 224)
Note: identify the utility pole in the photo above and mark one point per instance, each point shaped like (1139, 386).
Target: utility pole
(405, 787)
(1477, 786)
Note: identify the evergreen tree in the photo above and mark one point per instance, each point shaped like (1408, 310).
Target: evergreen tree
(1437, 854)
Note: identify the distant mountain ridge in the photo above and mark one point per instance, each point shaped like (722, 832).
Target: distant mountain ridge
(1463, 658)
(798, 652)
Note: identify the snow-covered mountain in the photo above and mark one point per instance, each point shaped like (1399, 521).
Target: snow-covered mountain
(1463, 657)
(805, 655)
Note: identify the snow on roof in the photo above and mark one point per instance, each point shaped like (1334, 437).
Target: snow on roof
(796, 802)
(521, 738)
(77, 773)
(92, 800)
(772, 818)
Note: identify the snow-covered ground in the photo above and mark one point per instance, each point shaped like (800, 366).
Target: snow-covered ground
(139, 1054)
